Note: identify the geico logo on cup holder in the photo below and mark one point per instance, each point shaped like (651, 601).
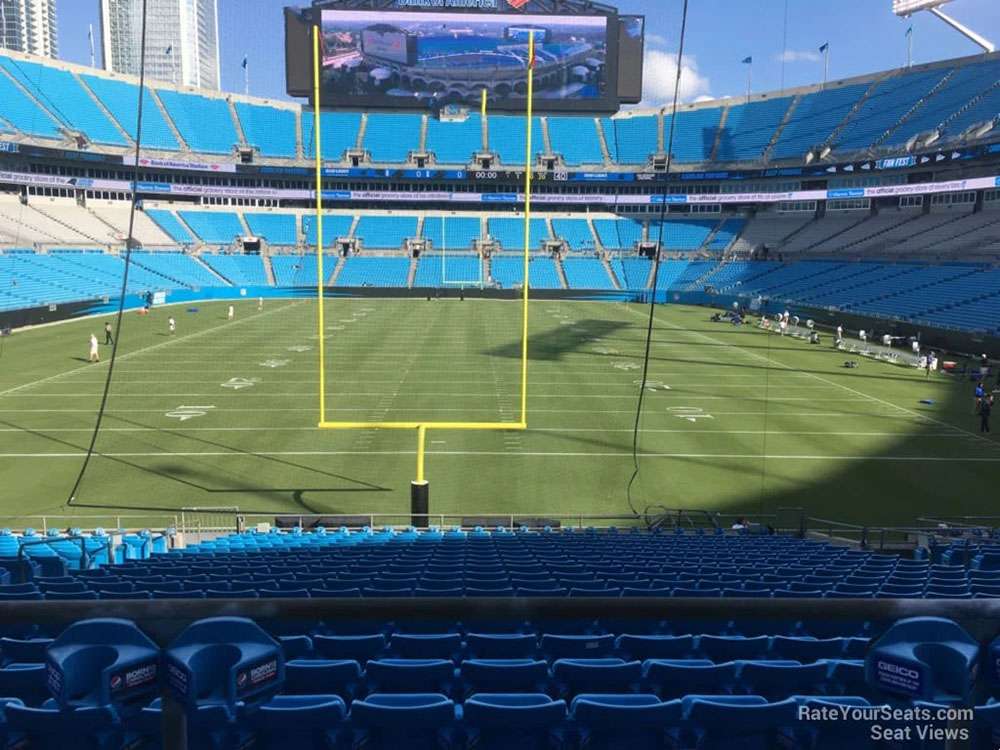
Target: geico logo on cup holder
(890, 668)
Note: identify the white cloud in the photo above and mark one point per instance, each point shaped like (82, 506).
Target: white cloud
(794, 55)
(660, 74)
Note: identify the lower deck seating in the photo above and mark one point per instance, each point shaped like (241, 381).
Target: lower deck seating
(237, 683)
(374, 271)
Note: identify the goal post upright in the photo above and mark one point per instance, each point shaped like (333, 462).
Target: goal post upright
(419, 488)
(320, 277)
(527, 226)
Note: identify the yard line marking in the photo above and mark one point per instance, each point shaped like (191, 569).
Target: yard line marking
(145, 350)
(433, 394)
(851, 414)
(533, 454)
(307, 428)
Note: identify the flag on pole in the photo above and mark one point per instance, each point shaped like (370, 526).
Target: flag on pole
(748, 60)
(169, 50)
(909, 31)
(246, 62)
(825, 46)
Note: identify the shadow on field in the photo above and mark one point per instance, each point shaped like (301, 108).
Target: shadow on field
(557, 343)
(931, 462)
(181, 472)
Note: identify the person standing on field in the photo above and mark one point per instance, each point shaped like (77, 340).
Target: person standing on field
(95, 355)
(985, 410)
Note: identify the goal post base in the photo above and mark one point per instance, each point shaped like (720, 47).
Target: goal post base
(419, 503)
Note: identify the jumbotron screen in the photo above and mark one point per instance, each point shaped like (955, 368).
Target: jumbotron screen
(422, 59)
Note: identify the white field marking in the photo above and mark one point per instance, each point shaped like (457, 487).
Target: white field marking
(47, 430)
(143, 382)
(432, 394)
(147, 349)
(238, 384)
(874, 399)
(184, 413)
(435, 410)
(532, 454)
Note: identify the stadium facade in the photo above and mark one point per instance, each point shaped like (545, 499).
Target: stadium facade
(785, 196)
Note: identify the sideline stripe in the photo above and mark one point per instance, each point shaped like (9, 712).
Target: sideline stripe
(540, 454)
(144, 350)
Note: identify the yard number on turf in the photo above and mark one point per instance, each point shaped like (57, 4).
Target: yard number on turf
(238, 384)
(184, 413)
(690, 413)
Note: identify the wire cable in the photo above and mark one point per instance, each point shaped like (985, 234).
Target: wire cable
(656, 267)
(129, 242)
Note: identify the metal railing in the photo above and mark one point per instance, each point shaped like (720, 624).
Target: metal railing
(84, 553)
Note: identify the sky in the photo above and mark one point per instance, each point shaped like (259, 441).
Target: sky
(864, 37)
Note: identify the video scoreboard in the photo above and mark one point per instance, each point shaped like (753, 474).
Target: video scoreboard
(434, 53)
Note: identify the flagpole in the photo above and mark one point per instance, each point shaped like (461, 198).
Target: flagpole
(749, 77)
(90, 38)
(826, 64)
(909, 47)
(246, 75)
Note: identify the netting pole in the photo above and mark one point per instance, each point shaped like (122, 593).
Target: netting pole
(420, 487)
(527, 228)
(320, 280)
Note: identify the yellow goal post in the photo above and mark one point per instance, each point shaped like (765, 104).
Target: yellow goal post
(421, 427)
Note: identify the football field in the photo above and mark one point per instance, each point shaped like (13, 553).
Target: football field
(224, 413)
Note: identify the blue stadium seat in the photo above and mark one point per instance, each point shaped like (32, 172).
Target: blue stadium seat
(26, 682)
(504, 675)
(103, 662)
(420, 721)
(63, 95)
(222, 661)
(426, 646)
(929, 658)
(338, 133)
(321, 677)
(644, 647)
(121, 100)
(268, 128)
(625, 722)
(203, 122)
(778, 679)
(674, 678)
(720, 648)
(455, 142)
(298, 721)
(24, 650)
(501, 645)
(825, 730)
(498, 721)
(611, 675)
(576, 646)
(410, 675)
(723, 722)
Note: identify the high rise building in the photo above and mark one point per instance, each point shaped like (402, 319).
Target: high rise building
(182, 40)
(29, 26)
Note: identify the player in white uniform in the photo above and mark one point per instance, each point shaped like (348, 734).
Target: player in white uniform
(232, 313)
(172, 326)
(260, 304)
(95, 355)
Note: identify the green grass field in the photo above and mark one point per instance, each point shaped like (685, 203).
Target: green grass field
(224, 413)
